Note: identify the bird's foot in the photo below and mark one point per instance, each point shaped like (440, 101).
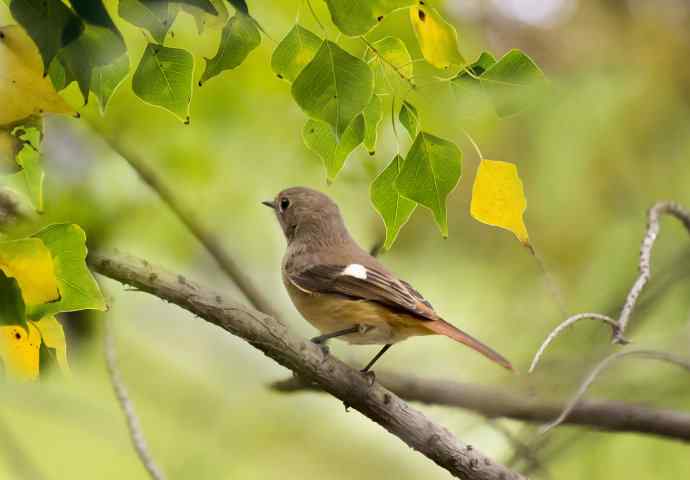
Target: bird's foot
(369, 376)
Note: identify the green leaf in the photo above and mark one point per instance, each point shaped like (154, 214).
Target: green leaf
(395, 210)
(373, 114)
(204, 5)
(334, 87)
(294, 52)
(95, 47)
(107, 78)
(95, 13)
(409, 119)
(203, 18)
(12, 309)
(430, 172)
(59, 77)
(49, 23)
(512, 82)
(240, 36)
(240, 6)
(357, 17)
(164, 79)
(78, 289)
(155, 16)
(319, 138)
(29, 158)
(396, 56)
(484, 62)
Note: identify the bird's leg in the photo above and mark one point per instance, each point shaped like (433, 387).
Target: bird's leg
(321, 339)
(366, 370)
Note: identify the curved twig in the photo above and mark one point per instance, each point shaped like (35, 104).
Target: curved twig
(649, 354)
(568, 323)
(618, 326)
(136, 434)
(308, 361)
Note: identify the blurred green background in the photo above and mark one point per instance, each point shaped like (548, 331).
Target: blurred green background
(609, 138)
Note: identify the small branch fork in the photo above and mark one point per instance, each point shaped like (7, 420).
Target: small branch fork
(308, 361)
(618, 326)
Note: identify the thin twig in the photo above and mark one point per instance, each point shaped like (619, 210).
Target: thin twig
(648, 354)
(619, 326)
(136, 433)
(187, 217)
(612, 416)
(308, 361)
(569, 322)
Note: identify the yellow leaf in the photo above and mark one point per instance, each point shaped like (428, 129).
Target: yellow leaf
(498, 198)
(29, 261)
(437, 38)
(54, 337)
(19, 351)
(23, 88)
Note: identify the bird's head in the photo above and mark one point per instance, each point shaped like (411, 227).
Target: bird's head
(308, 215)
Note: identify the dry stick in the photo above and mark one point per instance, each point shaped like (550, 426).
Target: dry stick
(648, 354)
(136, 434)
(308, 361)
(21, 464)
(618, 326)
(563, 326)
(187, 217)
(612, 416)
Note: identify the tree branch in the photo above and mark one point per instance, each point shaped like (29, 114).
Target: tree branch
(190, 220)
(491, 402)
(273, 338)
(648, 354)
(618, 326)
(136, 434)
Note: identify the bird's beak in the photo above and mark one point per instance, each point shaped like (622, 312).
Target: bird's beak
(269, 204)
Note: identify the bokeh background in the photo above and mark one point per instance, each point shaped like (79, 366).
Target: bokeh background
(610, 137)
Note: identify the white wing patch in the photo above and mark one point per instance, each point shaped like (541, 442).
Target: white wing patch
(355, 270)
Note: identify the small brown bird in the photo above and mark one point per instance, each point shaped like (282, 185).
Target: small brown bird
(345, 292)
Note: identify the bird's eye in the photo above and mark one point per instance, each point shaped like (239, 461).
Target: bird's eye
(284, 204)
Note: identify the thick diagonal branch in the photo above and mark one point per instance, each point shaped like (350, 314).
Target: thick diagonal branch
(610, 416)
(307, 360)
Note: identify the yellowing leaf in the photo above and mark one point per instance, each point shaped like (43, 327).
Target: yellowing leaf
(498, 198)
(53, 337)
(31, 264)
(19, 351)
(23, 88)
(437, 38)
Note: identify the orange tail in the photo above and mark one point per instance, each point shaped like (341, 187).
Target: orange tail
(444, 328)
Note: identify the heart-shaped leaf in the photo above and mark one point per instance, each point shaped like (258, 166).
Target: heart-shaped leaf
(430, 172)
(334, 87)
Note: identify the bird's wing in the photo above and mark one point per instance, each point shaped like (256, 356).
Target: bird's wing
(362, 282)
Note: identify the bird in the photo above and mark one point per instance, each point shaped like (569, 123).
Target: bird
(345, 292)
